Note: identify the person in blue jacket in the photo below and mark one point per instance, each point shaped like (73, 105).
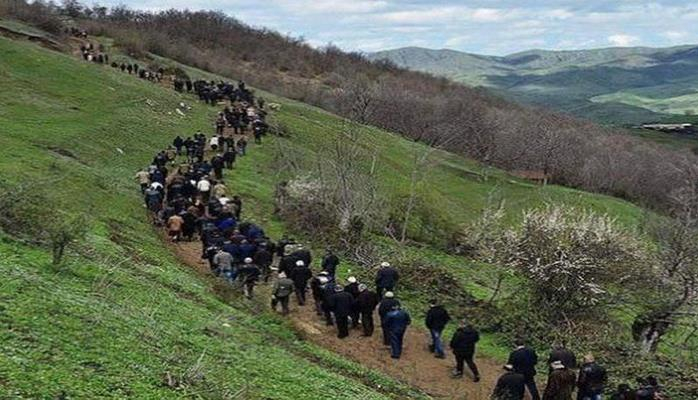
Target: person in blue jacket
(396, 322)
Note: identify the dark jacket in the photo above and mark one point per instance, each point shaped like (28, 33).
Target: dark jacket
(565, 356)
(510, 386)
(463, 341)
(560, 385)
(341, 303)
(300, 276)
(524, 361)
(352, 289)
(303, 255)
(317, 285)
(367, 301)
(263, 257)
(386, 305)
(287, 264)
(437, 318)
(387, 277)
(249, 273)
(397, 321)
(592, 378)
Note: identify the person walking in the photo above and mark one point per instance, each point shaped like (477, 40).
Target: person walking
(524, 360)
(560, 353)
(341, 304)
(249, 275)
(463, 346)
(592, 379)
(282, 289)
(330, 262)
(386, 279)
(510, 386)
(396, 322)
(300, 275)
(352, 287)
(384, 307)
(561, 382)
(366, 302)
(436, 319)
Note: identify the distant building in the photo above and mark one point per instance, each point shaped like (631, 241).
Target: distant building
(671, 128)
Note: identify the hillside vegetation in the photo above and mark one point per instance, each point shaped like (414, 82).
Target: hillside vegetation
(87, 128)
(613, 85)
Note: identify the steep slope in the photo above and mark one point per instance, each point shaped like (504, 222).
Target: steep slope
(124, 318)
(124, 313)
(638, 83)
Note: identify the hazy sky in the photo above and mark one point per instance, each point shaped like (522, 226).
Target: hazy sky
(480, 26)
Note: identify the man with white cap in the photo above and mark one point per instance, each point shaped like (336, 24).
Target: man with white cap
(300, 275)
(386, 305)
(249, 274)
(341, 304)
(366, 302)
(282, 289)
(352, 287)
(318, 285)
(386, 278)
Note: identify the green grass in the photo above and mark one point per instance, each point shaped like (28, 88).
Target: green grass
(124, 312)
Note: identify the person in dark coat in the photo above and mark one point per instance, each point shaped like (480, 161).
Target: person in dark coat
(249, 275)
(341, 304)
(524, 360)
(300, 275)
(229, 158)
(303, 254)
(386, 279)
(463, 346)
(396, 323)
(178, 143)
(330, 262)
(317, 287)
(352, 287)
(561, 353)
(384, 307)
(510, 386)
(561, 382)
(287, 264)
(436, 319)
(592, 379)
(366, 302)
(263, 259)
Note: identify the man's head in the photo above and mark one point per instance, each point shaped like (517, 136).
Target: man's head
(362, 287)
(433, 302)
(589, 358)
(385, 264)
(248, 260)
(463, 323)
(389, 295)
(518, 342)
(282, 275)
(508, 367)
(338, 288)
(555, 365)
(351, 279)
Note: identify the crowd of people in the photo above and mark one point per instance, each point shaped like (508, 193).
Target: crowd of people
(185, 191)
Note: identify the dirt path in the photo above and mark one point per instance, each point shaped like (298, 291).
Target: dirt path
(417, 367)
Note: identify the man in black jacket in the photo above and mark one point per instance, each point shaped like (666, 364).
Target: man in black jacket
(317, 286)
(510, 386)
(302, 254)
(524, 360)
(386, 279)
(463, 346)
(592, 379)
(341, 304)
(436, 319)
(352, 288)
(366, 302)
(263, 258)
(300, 275)
(386, 305)
(330, 263)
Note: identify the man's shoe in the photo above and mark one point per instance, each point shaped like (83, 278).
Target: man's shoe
(476, 379)
(442, 356)
(456, 374)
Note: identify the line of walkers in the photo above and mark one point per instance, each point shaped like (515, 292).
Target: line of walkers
(194, 200)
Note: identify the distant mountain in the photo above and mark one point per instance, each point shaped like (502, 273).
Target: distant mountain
(622, 85)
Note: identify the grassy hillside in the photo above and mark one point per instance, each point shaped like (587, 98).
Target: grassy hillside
(123, 313)
(613, 85)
